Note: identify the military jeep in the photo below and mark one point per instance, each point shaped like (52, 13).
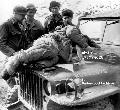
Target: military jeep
(71, 86)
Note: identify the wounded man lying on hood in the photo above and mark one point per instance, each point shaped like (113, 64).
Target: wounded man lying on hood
(47, 50)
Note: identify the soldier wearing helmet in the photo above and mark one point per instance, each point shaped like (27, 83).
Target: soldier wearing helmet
(33, 27)
(12, 39)
(12, 36)
(19, 13)
(55, 19)
(77, 37)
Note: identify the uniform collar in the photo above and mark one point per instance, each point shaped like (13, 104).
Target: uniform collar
(57, 15)
(15, 21)
(30, 23)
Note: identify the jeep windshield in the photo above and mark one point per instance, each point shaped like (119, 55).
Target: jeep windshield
(103, 29)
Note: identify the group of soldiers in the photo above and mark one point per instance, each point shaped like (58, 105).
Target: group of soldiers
(24, 40)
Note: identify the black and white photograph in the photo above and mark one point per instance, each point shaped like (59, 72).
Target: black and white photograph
(60, 55)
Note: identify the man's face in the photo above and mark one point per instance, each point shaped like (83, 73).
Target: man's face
(20, 17)
(31, 13)
(67, 20)
(55, 10)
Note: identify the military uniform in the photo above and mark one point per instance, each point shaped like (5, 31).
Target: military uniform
(75, 35)
(33, 27)
(13, 39)
(12, 35)
(55, 19)
(33, 30)
(52, 22)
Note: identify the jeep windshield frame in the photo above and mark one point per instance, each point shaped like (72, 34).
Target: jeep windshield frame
(112, 20)
(101, 18)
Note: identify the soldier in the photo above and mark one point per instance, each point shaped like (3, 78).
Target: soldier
(76, 34)
(67, 16)
(12, 39)
(12, 36)
(83, 41)
(55, 19)
(33, 27)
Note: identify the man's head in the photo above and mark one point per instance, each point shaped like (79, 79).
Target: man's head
(67, 15)
(54, 7)
(31, 10)
(19, 13)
